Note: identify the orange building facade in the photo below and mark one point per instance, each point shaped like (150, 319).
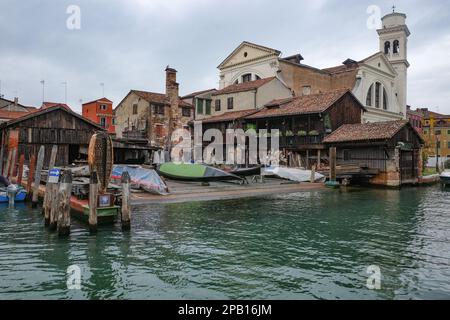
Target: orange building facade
(101, 112)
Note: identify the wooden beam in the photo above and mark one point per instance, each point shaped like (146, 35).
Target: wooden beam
(20, 170)
(65, 191)
(93, 198)
(31, 175)
(126, 204)
(37, 178)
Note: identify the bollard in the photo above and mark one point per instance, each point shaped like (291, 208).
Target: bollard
(93, 198)
(37, 179)
(126, 206)
(11, 192)
(65, 191)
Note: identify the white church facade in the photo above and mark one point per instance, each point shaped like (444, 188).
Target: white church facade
(379, 82)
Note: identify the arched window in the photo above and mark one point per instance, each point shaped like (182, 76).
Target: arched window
(396, 46)
(377, 96)
(257, 77)
(247, 77)
(387, 47)
(369, 96)
(237, 81)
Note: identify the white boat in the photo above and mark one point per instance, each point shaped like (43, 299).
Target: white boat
(445, 177)
(293, 174)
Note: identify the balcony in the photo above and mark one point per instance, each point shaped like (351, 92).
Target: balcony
(296, 141)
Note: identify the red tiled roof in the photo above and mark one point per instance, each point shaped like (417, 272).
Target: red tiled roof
(366, 131)
(4, 114)
(197, 93)
(245, 86)
(313, 103)
(159, 98)
(98, 100)
(229, 116)
(46, 105)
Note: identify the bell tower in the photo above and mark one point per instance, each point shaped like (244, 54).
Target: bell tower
(394, 44)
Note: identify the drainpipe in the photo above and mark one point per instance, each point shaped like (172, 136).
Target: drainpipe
(255, 104)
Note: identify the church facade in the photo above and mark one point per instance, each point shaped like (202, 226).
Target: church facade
(379, 81)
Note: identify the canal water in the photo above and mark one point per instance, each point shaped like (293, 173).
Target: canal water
(309, 245)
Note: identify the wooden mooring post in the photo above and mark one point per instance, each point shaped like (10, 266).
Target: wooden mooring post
(126, 205)
(13, 164)
(37, 179)
(313, 173)
(51, 165)
(332, 160)
(65, 191)
(31, 175)
(52, 219)
(20, 170)
(93, 198)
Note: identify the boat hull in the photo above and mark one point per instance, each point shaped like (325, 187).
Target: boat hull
(20, 197)
(80, 211)
(194, 172)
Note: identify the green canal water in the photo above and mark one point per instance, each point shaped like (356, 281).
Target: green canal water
(310, 245)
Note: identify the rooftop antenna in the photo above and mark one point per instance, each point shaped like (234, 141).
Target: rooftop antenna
(43, 91)
(393, 8)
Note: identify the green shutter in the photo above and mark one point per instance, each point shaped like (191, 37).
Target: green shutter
(199, 106)
(208, 107)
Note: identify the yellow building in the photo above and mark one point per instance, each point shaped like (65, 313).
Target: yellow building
(436, 132)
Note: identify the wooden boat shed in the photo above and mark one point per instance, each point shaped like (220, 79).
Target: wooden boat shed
(392, 148)
(51, 126)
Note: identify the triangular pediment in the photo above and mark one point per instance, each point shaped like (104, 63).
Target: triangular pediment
(248, 52)
(380, 62)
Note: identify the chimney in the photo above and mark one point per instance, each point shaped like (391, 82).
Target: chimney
(172, 94)
(16, 101)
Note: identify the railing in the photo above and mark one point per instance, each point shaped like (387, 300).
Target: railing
(293, 141)
(135, 134)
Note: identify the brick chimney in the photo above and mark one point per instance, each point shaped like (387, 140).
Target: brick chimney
(172, 93)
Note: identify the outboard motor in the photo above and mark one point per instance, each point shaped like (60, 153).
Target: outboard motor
(12, 192)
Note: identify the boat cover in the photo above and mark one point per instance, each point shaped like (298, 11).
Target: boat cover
(292, 174)
(146, 179)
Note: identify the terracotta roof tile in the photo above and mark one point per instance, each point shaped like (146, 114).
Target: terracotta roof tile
(46, 105)
(4, 114)
(229, 116)
(197, 93)
(245, 86)
(314, 103)
(159, 98)
(366, 131)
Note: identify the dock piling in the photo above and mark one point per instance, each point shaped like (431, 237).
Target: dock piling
(333, 164)
(8, 163)
(126, 205)
(20, 171)
(51, 220)
(37, 179)
(47, 186)
(31, 175)
(12, 168)
(313, 173)
(65, 191)
(93, 198)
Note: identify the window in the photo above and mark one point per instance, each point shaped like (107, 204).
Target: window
(159, 109)
(186, 112)
(347, 155)
(438, 132)
(396, 47)
(113, 121)
(199, 106)
(135, 108)
(217, 103)
(103, 122)
(448, 146)
(257, 77)
(387, 47)
(448, 132)
(230, 103)
(377, 94)
(208, 107)
(103, 107)
(247, 77)
(385, 99)
(237, 81)
(369, 96)
(306, 90)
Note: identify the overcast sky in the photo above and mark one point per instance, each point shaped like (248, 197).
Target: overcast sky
(126, 44)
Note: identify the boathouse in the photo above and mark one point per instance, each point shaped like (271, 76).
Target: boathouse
(55, 125)
(391, 150)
